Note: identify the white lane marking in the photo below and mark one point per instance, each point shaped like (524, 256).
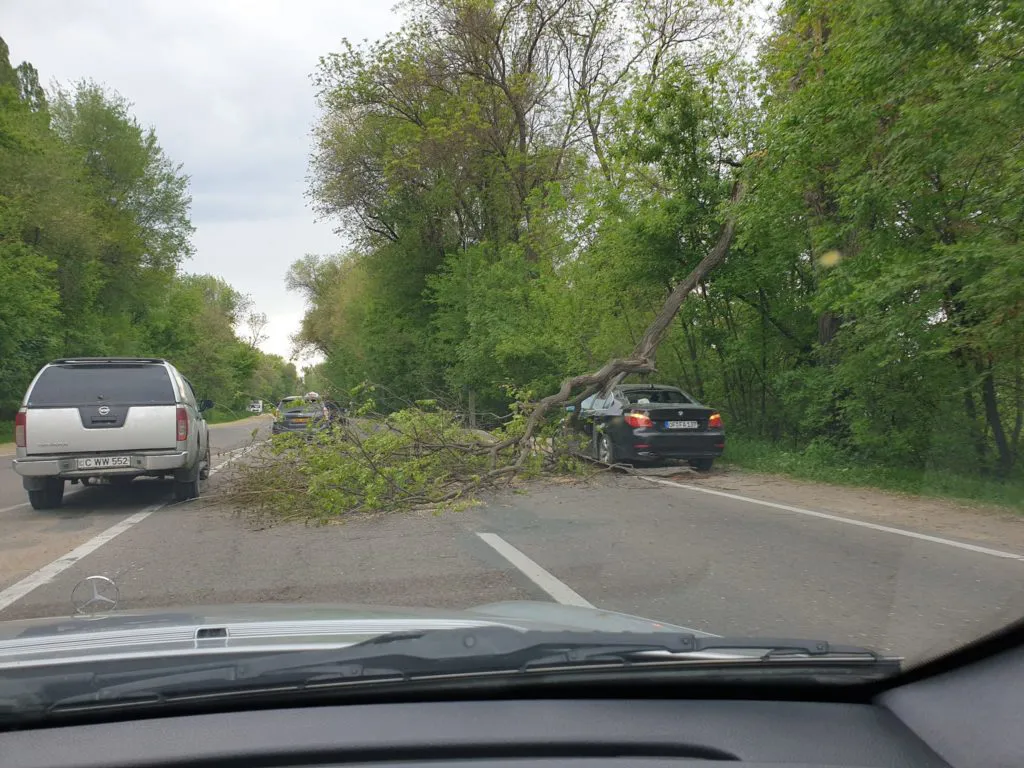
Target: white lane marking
(48, 573)
(557, 589)
(847, 520)
(235, 454)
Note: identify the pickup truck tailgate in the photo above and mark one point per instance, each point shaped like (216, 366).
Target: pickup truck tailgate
(51, 431)
(84, 408)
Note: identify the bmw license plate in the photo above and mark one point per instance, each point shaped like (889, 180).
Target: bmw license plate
(105, 462)
(680, 425)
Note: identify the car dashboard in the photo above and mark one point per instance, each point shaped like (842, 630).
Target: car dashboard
(523, 732)
(966, 715)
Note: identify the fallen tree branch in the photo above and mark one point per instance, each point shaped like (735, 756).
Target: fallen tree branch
(420, 457)
(642, 359)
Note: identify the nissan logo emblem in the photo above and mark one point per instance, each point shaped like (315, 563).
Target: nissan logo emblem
(104, 410)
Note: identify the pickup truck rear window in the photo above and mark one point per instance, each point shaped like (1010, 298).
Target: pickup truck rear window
(74, 385)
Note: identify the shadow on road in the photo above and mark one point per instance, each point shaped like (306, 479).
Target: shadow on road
(113, 500)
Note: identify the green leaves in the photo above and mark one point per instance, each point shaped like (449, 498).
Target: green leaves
(94, 225)
(522, 225)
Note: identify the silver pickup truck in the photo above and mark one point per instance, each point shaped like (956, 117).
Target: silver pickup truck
(114, 418)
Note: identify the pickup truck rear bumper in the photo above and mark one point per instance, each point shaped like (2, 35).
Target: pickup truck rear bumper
(67, 466)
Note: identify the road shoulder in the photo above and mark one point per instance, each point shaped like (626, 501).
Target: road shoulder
(985, 524)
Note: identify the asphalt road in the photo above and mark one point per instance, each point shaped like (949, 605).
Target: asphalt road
(717, 564)
(30, 540)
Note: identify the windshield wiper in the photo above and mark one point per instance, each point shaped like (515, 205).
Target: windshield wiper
(403, 656)
(491, 648)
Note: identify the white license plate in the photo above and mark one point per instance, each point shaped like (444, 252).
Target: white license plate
(105, 462)
(680, 425)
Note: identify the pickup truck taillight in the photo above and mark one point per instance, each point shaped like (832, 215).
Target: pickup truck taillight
(20, 423)
(715, 421)
(182, 424)
(639, 420)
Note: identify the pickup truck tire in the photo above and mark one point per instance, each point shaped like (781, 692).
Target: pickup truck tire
(188, 488)
(49, 496)
(204, 473)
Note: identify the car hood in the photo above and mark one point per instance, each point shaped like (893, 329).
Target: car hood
(276, 627)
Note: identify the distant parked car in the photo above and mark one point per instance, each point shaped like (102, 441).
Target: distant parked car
(111, 418)
(256, 406)
(298, 414)
(646, 422)
(307, 413)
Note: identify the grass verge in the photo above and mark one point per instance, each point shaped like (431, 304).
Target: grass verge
(6, 432)
(825, 464)
(224, 415)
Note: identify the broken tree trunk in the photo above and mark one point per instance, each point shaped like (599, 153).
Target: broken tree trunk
(642, 358)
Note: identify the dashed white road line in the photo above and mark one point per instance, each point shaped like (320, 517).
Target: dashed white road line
(49, 572)
(558, 590)
(235, 454)
(846, 520)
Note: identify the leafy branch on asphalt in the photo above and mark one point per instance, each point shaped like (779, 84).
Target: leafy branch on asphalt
(420, 456)
(416, 457)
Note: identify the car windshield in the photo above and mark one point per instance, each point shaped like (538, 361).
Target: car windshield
(326, 321)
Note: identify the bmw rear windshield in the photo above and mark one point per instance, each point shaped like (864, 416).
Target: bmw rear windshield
(673, 396)
(121, 384)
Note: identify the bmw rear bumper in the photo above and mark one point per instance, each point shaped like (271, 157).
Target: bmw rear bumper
(649, 445)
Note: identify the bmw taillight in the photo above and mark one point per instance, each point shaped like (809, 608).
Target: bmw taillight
(715, 421)
(182, 424)
(20, 424)
(639, 420)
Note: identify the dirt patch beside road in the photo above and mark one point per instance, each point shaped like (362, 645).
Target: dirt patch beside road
(989, 525)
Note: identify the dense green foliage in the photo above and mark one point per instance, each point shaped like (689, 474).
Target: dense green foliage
(524, 181)
(94, 229)
(393, 464)
(421, 456)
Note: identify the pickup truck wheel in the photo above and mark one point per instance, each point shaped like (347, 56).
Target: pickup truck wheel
(204, 473)
(187, 489)
(49, 496)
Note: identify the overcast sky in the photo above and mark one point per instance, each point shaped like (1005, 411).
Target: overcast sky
(226, 85)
